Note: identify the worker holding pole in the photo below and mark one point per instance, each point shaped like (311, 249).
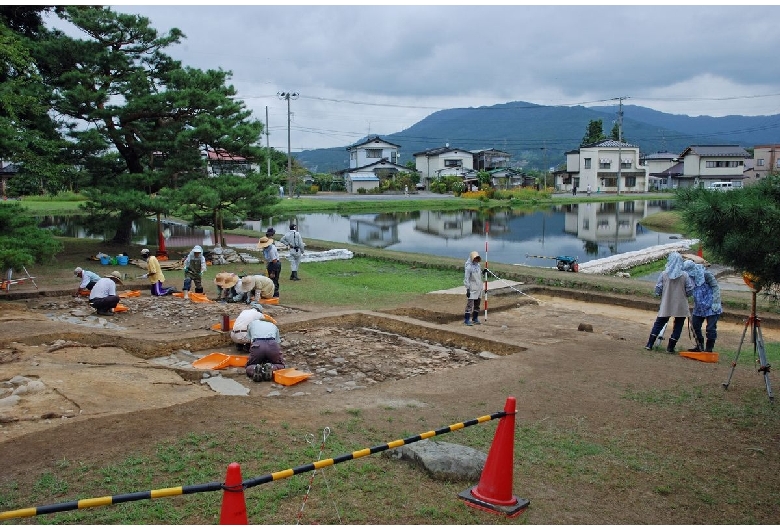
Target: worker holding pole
(472, 280)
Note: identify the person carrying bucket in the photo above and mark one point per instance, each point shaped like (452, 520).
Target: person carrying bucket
(472, 280)
(194, 267)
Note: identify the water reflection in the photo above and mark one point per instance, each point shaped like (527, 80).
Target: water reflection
(586, 230)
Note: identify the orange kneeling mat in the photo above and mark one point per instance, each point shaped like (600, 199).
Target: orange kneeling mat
(129, 294)
(195, 297)
(270, 301)
(120, 308)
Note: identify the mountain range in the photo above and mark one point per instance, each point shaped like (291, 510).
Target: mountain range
(538, 136)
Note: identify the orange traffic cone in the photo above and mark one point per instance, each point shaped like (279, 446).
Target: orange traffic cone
(700, 252)
(233, 503)
(494, 491)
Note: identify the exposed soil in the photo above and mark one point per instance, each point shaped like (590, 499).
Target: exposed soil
(110, 385)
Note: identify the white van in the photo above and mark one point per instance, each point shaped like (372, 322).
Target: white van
(721, 186)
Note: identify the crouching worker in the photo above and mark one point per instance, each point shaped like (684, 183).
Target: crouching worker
(88, 279)
(226, 286)
(103, 295)
(265, 351)
(155, 274)
(240, 332)
(255, 287)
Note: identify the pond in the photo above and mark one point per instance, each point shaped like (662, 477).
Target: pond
(586, 231)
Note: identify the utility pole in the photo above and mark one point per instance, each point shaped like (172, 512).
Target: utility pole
(620, 138)
(288, 96)
(267, 143)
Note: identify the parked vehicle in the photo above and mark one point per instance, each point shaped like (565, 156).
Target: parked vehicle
(722, 186)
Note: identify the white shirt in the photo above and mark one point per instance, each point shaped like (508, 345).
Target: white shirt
(104, 287)
(86, 277)
(246, 317)
(262, 329)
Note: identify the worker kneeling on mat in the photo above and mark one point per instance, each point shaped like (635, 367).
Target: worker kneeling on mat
(265, 351)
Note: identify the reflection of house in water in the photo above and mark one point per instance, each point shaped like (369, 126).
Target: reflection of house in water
(609, 223)
(378, 231)
(455, 225)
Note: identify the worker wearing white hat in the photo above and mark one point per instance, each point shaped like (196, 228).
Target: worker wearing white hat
(194, 267)
(88, 279)
(295, 244)
(155, 274)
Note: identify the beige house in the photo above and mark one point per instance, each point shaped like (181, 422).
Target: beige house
(704, 164)
(766, 159)
(608, 166)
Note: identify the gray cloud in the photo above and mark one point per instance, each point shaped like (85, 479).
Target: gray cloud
(683, 60)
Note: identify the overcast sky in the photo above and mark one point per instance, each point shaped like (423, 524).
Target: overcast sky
(379, 70)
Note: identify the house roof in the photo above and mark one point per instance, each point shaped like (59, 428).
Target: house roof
(492, 151)
(660, 156)
(609, 143)
(363, 178)
(9, 169)
(383, 163)
(436, 151)
(223, 156)
(716, 150)
(370, 140)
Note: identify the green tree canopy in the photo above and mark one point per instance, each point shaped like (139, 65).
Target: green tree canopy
(739, 227)
(126, 101)
(594, 133)
(22, 243)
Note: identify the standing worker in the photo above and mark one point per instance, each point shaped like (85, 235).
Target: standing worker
(473, 281)
(674, 287)
(265, 351)
(273, 266)
(194, 267)
(155, 274)
(88, 279)
(295, 243)
(706, 305)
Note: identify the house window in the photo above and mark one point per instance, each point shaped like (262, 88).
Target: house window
(630, 182)
(625, 164)
(394, 157)
(724, 163)
(373, 153)
(760, 162)
(605, 163)
(587, 163)
(586, 224)
(609, 182)
(453, 162)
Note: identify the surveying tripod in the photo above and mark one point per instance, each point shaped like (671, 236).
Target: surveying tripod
(754, 323)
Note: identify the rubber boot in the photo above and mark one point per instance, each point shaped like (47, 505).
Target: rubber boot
(292, 275)
(475, 318)
(185, 295)
(670, 346)
(295, 276)
(199, 290)
(650, 342)
(466, 319)
(710, 345)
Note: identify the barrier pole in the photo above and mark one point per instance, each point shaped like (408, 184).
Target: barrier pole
(487, 230)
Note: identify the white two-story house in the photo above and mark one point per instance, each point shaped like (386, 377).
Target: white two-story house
(444, 161)
(608, 166)
(369, 161)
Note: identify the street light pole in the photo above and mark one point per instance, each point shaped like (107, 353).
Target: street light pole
(288, 96)
(620, 140)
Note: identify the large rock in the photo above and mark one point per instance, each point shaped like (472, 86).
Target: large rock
(442, 460)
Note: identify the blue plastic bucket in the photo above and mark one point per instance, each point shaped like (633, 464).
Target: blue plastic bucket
(122, 260)
(104, 260)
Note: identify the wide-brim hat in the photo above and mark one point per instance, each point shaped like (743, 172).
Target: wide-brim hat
(246, 284)
(115, 276)
(226, 280)
(474, 255)
(264, 242)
